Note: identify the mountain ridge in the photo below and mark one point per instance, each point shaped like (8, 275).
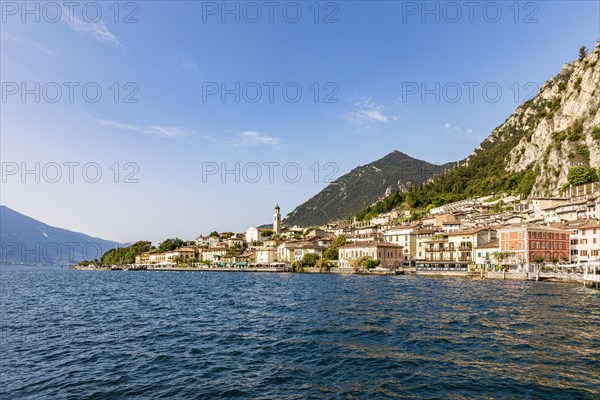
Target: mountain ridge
(25, 240)
(363, 186)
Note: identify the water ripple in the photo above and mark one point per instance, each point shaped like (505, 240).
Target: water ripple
(83, 334)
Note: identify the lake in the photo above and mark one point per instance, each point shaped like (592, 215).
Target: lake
(90, 334)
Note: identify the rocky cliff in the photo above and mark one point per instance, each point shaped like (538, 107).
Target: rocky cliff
(560, 126)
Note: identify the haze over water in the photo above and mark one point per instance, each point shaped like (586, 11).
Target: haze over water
(79, 334)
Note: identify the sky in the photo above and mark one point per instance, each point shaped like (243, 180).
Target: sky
(142, 120)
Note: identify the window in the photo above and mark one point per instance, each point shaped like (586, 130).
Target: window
(506, 246)
(520, 246)
(520, 235)
(532, 245)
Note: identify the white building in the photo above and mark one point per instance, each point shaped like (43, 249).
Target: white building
(388, 254)
(254, 234)
(266, 255)
(405, 236)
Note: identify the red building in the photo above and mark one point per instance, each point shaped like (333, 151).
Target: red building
(522, 245)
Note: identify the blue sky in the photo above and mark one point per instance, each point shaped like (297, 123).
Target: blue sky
(371, 62)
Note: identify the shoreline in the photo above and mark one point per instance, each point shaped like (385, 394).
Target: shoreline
(473, 275)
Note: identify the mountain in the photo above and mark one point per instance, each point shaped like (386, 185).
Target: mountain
(362, 187)
(561, 126)
(24, 240)
(532, 151)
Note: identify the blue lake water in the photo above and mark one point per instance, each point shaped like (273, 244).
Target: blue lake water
(106, 335)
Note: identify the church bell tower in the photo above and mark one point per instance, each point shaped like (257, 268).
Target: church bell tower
(277, 221)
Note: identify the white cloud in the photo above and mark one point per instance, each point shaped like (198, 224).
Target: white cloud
(246, 138)
(169, 132)
(19, 40)
(189, 66)
(97, 30)
(368, 113)
(252, 138)
(466, 134)
(41, 48)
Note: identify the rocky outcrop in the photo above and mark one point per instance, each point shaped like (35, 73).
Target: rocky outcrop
(560, 126)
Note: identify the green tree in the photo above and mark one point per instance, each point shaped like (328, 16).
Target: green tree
(234, 250)
(365, 262)
(581, 175)
(170, 244)
(214, 234)
(125, 255)
(324, 265)
(310, 259)
(538, 259)
(267, 233)
(332, 252)
(582, 53)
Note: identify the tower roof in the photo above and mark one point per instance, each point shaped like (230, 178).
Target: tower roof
(277, 207)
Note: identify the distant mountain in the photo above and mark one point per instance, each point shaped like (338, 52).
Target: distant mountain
(362, 187)
(24, 240)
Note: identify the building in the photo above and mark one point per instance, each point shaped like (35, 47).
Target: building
(266, 255)
(461, 205)
(588, 242)
(143, 258)
(202, 241)
(485, 255)
(522, 245)
(254, 234)
(454, 250)
(423, 235)
(389, 254)
(214, 254)
(277, 221)
(439, 219)
(405, 236)
(183, 253)
(294, 251)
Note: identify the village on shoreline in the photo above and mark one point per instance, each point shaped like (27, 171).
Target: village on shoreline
(501, 237)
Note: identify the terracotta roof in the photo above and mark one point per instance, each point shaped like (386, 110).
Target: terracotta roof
(533, 227)
(489, 245)
(470, 231)
(370, 244)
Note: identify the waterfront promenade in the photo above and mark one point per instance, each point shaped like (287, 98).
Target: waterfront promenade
(591, 278)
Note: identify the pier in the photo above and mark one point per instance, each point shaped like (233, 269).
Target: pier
(591, 274)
